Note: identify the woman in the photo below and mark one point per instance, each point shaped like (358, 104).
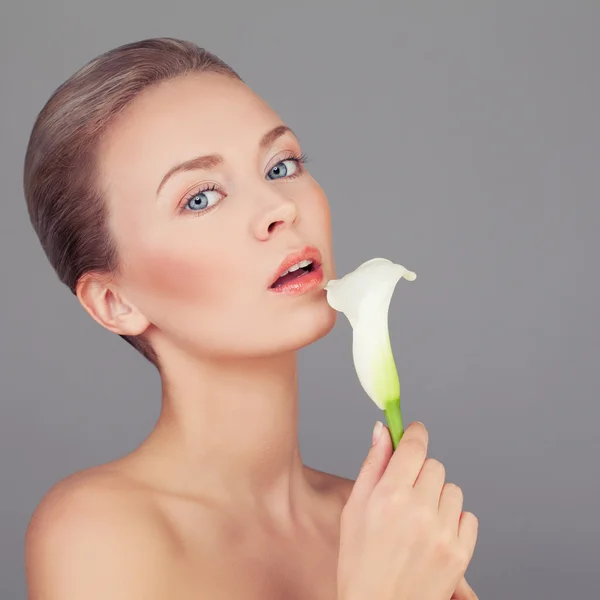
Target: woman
(175, 204)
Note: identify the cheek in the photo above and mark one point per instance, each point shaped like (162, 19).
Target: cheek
(165, 274)
(322, 209)
(177, 272)
(171, 289)
(315, 210)
(318, 219)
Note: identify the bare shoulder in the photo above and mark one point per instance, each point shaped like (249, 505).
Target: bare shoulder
(97, 534)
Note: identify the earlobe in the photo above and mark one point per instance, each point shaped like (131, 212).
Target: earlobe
(105, 303)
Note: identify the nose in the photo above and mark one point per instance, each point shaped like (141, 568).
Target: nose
(277, 213)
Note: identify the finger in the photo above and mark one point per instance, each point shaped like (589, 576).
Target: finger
(464, 591)
(407, 461)
(468, 528)
(373, 467)
(450, 506)
(430, 482)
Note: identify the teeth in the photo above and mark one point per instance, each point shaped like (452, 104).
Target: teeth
(301, 264)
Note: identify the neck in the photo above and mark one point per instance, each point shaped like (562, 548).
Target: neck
(232, 427)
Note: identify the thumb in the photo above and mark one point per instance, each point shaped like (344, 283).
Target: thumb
(374, 465)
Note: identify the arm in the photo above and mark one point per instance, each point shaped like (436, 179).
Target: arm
(89, 542)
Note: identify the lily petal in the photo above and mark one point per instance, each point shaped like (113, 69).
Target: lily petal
(364, 296)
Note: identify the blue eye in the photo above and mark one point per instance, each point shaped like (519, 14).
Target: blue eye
(202, 199)
(281, 170)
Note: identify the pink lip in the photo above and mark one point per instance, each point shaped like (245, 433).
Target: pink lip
(305, 282)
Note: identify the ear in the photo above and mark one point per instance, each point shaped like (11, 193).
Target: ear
(106, 304)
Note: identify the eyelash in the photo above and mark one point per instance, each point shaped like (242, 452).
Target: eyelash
(300, 159)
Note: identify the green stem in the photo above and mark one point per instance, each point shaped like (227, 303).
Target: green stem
(393, 417)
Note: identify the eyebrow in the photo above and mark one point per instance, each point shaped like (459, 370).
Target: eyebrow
(210, 161)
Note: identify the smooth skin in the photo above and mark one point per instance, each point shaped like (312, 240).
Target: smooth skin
(404, 533)
(216, 502)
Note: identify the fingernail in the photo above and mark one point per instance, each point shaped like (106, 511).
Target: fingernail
(377, 431)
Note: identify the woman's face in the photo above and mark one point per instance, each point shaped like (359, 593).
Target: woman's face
(200, 248)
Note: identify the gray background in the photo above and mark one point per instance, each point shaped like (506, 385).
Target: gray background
(460, 139)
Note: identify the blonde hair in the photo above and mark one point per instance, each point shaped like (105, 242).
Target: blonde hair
(64, 201)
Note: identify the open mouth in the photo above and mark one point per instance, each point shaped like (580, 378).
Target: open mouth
(296, 271)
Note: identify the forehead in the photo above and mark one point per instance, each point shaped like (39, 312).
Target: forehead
(183, 117)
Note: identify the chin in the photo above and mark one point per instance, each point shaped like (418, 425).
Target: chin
(298, 330)
(280, 335)
(313, 326)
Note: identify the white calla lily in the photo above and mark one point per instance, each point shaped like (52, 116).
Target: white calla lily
(364, 296)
